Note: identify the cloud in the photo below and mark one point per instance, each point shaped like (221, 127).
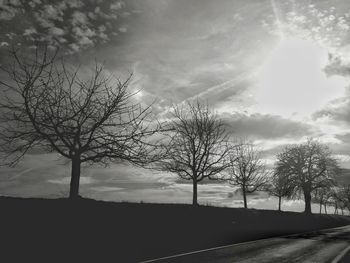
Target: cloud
(75, 3)
(116, 5)
(29, 31)
(66, 180)
(106, 188)
(123, 29)
(337, 66)
(46, 22)
(55, 31)
(341, 149)
(264, 126)
(323, 23)
(79, 18)
(33, 3)
(338, 111)
(342, 157)
(9, 9)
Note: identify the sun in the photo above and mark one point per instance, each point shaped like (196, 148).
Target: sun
(292, 81)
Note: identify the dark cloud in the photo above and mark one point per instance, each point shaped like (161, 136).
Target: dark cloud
(265, 126)
(73, 25)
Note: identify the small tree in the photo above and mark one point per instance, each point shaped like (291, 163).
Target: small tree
(280, 187)
(91, 120)
(198, 145)
(337, 200)
(309, 166)
(246, 170)
(344, 196)
(322, 196)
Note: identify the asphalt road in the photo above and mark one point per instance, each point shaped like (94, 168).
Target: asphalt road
(322, 246)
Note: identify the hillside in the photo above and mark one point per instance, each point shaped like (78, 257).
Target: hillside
(89, 230)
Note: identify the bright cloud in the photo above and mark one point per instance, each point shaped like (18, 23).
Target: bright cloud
(293, 82)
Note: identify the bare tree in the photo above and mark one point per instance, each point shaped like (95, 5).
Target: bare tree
(198, 145)
(344, 196)
(280, 187)
(309, 166)
(86, 120)
(337, 199)
(247, 170)
(322, 196)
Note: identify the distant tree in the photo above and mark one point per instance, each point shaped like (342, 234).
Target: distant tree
(246, 170)
(86, 120)
(280, 187)
(344, 196)
(197, 148)
(322, 196)
(334, 199)
(309, 166)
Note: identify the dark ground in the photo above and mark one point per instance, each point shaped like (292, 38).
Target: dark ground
(39, 230)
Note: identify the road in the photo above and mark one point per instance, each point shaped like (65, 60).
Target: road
(322, 246)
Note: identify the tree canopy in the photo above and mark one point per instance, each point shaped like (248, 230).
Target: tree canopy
(308, 166)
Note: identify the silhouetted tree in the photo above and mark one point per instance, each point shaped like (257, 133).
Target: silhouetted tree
(322, 196)
(86, 120)
(344, 196)
(309, 166)
(246, 170)
(336, 200)
(280, 187)
(198, 145)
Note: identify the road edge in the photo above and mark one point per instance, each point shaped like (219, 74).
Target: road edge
(336, 260)
(341, 255)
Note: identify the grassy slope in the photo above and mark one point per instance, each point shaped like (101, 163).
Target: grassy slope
(98, 231)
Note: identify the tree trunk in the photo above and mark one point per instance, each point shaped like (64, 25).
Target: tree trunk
(75, 178)
(194, 201)
(244, 197)
(307, 199)
(325, 208)
(279, 203)
(321, 207)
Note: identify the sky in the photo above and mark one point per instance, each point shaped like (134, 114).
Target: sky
(276, 72)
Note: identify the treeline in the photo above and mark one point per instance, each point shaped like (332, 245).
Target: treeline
(96, 119)
(199, 147)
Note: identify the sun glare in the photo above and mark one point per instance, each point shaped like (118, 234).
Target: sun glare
(292, 80)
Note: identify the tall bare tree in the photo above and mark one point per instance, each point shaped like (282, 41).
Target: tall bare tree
(280, 187)
(86, 120)
(309, 166)
(247, 169)
(198, 145)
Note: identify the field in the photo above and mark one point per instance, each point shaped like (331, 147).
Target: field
(88, 230)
